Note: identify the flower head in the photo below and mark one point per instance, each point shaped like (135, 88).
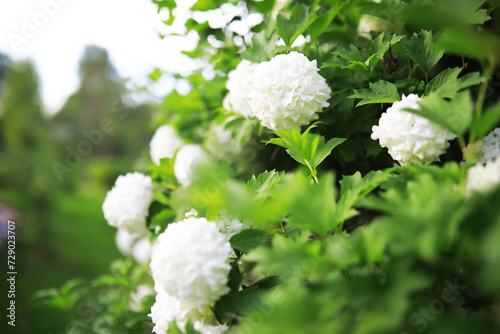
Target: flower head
(410, 139)
(238, 84)
(287, 92)
(127, 203)
(188, 157)
(164, 143)
(490, 147)
(190, 261)
(483, 177)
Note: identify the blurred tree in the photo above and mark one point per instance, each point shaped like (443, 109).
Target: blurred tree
(28, 144)
(97, 120)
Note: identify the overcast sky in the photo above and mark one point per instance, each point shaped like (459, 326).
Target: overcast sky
(53, 33)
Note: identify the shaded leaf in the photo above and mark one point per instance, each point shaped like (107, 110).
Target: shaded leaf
(420, 48)
(379, 92)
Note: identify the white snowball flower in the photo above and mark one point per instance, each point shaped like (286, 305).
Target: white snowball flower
(190, 261)
(164, 143)
(483, 178)
(490, 147)
(168, 308)
(124, 241)
(137, 296)
(141, 251)
(209, 329)
(188, 157)
(228, 226)
(410, 139)
(288, 92)
(127, 203)
(133, 244)
(239, 84)
(219, 142)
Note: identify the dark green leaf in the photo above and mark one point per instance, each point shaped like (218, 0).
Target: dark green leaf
(248, 239)
(455, 115)
(421, 49)
(323, 21)
(290, 29)
(487, 121)
(447, 83)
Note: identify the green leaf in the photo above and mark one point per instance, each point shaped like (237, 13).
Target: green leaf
(307, 149)
(259, 186)
(447, 83)
(455, 115)
(325, 151)
(262, 49)
(421, 49)
(487, 121)
(380, 45)
(248, 239)
(156, 74)
(290, 29)
(379, 92)
(353, 189)
(323, 21)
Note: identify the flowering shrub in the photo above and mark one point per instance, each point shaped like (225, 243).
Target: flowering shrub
(338, 176)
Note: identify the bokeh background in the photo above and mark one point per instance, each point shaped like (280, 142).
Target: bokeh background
(77, 90)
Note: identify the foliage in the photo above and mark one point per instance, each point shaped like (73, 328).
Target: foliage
(342, 240)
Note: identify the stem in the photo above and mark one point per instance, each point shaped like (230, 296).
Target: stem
(480, 101)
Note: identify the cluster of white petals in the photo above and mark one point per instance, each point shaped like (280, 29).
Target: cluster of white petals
(127, 203)
(287, 92)
(137, 297)
(410, 139)
(228, 226)
(188, 157)
(132, 244)
(190, 261)
(164, 144)
(219, 142)
(490, 147)
(238, 84)
(168, 308)
(483, 177)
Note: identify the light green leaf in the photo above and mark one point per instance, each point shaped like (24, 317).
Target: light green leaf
(379, 92)
(259, 186)
(421, 49)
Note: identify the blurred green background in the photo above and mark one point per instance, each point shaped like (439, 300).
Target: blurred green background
(54, 175)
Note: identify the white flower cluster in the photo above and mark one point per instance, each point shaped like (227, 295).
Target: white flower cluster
(287, 92)
(490, 147)
(284, 93)
(410, 139)
(239, 83)
(188, 157)
(189, 265)
(483, 178)
(127, 203)
(164, 144)
(136, 245)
